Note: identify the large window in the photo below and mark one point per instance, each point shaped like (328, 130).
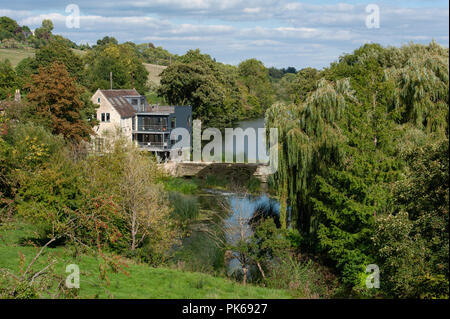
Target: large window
(154, 123)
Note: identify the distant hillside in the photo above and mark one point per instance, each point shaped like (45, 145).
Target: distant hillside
(17, 55)
(154, 71)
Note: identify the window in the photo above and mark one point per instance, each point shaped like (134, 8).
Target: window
(134, 101)
(146, 123)
(98, 100)
(173, 122)
(105, 117)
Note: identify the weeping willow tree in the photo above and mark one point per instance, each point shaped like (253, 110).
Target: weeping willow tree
(339, 150)
(421, 92)
(308, 141)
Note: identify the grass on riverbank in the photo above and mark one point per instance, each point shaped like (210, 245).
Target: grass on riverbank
(193, 186)
(142, 281)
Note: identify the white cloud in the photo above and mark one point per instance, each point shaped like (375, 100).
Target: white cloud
(279, 32)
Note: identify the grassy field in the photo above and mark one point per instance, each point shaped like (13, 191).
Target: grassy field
(15, 55)
(141, 282)
(154, 72)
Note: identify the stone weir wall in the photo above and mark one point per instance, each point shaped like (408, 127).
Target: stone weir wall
(201, 169)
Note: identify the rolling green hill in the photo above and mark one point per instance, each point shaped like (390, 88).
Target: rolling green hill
(142, 280)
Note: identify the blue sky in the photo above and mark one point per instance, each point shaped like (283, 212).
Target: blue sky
(280, 33)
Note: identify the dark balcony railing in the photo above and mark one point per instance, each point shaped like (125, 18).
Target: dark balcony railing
(159, 128)
(153, 144)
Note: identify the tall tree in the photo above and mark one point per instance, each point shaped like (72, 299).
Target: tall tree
(57, 50)
(56, 98)
(124, 63)
(255, 80)
(196, 80)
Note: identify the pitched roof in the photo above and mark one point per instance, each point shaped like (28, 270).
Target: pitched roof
(119, 102)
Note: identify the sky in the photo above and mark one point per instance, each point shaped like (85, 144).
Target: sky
(280, 33)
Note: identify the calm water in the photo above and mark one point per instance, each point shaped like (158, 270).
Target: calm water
(235, 221)
(240, 208)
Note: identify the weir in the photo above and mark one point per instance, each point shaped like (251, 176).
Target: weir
(192, 169)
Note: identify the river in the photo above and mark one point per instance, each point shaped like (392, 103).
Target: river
(240, 208)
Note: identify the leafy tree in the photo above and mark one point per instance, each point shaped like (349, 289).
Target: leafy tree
(124, 63)
(9, 29)
(285, 88)
(56, 98)
(43, 34)
(198, 81)
(25, 69)
(413, 245)
(129, 177)
(107, 40)
(8, 80)
(58, 51)
(274, 73)
(305, 82)
(255, 79)
(156, 55)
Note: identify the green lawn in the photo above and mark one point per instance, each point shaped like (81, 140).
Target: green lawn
(142, 281)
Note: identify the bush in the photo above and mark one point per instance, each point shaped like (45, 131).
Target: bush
(180, 185)
(303, 279)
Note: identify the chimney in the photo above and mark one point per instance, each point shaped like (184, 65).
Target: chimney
(17, 96)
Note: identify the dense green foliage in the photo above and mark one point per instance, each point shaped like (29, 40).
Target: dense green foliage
(219, 94)
(9, 81)
(342, 154)
(156, 55)
(196, 80)
(120, 59)
(9, 29)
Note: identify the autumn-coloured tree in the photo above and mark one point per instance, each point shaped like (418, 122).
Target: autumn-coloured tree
(56, 99)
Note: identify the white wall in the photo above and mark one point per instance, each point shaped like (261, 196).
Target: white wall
(115, 123)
